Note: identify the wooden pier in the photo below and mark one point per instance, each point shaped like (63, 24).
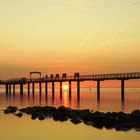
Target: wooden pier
(11, 83)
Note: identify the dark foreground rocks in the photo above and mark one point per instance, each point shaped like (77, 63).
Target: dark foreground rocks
(119, 120)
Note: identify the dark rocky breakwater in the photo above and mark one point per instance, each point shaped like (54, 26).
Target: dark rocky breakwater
(119, 120)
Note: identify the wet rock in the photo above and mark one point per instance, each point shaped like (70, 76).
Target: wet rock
(88, 122)
(60, 116)
(41, 117)
(48, 111)
(33, 117)
(111, 120)
(84, 114)
(124, 127)
(97, 125)
(119, 120)
(136, 125)
(98, 119)
(123, 117)
(37, 114)
(75, 121)
(27, 110)
(135, 116)
(10, 109)
(6, 111)
(135, 113)
(71, 114)
(63, 108)
(19, 115)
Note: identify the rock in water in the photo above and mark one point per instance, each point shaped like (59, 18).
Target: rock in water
(10, 109)
(118, 120)
(19, 115)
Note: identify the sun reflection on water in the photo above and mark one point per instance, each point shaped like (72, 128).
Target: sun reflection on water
(65, 101)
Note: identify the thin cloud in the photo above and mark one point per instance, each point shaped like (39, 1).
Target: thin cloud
(93, 31)
(136, 3)
(8, 51)
(68, 9)
(57, 7)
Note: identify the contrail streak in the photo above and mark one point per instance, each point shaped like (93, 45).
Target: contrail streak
(93, 31)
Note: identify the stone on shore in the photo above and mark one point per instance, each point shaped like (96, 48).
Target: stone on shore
(10, 109)
(19, 115)
(75, 121)
(118, 120)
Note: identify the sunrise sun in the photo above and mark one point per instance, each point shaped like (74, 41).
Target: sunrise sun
(65, 86)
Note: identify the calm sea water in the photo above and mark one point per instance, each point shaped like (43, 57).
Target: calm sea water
(25, 128)
(110, 99)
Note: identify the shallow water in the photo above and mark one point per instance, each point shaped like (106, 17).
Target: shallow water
(110, 99)
(24, 128)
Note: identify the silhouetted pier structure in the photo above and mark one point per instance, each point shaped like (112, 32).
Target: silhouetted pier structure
(64, 78)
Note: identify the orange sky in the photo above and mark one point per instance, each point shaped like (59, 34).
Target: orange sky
(86, 36)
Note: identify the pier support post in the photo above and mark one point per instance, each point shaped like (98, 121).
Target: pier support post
(60, 90)
(98, 90)
(33, 89)
(10, 90)
(21, 93)
(6, 89)
(46, 90)
(122, 90)
(70, 90)
(40, 88)
(21, 88)
(78, 90)
(14, 90)
(53, 90)
(28, 84)
(40, 92)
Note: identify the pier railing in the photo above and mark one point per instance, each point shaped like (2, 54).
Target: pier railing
(113, 76)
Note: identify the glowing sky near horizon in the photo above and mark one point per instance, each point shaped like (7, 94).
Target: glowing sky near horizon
(55, 36)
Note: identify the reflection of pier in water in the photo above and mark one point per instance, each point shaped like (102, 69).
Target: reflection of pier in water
(40, 98)
(76, 78)
(34, 96)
